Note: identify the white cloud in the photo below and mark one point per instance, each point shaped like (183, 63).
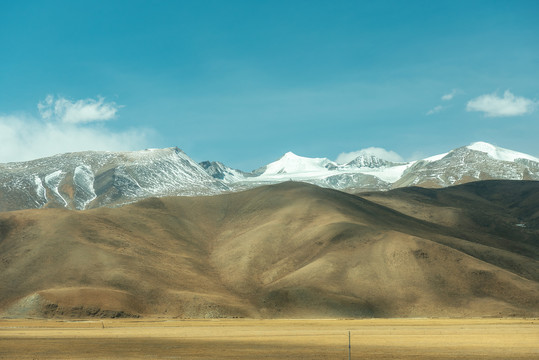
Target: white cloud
(449, 96)
(23, 137)
(381, 153)
(436, 109)
(80, 111)
(508, 105)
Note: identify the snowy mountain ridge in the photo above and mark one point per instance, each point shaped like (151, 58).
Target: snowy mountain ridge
(92, 179)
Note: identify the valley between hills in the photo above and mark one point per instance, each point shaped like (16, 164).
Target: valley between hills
(290, 250)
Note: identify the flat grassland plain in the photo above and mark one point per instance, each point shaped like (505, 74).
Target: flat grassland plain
(270, 339)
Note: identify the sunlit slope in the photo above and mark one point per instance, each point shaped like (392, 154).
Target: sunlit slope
(287, 250)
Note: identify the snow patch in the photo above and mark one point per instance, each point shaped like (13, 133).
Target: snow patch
(40, 191)
(388, 174)
(53, 181)
(83, 180)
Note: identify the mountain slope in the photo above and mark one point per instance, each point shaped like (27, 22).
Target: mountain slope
(287, 250)
(497, 214)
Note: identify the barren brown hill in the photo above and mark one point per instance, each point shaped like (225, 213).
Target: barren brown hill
(287, 250)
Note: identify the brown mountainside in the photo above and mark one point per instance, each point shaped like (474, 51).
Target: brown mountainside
(286, 250)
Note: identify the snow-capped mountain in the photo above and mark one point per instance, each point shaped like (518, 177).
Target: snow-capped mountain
(478, 161)
(367, 173)
(92, 179)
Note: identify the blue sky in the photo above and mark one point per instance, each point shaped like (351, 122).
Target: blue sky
(243, 82)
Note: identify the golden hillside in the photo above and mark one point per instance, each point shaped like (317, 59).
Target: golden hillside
(290, 250)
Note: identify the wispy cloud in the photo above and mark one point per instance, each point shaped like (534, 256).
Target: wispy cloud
(24, 137)
(381, 153)
(75, 112)
(449, 96)
(508, 105)
(439, 108)
(435, 110)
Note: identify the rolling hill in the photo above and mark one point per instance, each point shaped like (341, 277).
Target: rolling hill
(290, 250)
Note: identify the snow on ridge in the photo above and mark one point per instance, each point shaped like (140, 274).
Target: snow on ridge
(148, 155)
(499, 153)
(435, 157)
(388, 174)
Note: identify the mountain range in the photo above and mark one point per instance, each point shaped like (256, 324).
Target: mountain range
(92, 179)
(454, 234)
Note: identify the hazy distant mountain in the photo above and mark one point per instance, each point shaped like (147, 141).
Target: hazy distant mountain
(290, 250)
(93, 179)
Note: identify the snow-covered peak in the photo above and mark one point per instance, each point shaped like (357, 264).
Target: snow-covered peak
(369, 161)
(291, 163)
(499, 153)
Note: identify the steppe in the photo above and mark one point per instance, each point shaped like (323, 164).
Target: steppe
(270, 339)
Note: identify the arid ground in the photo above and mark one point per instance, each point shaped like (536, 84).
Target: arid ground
(270, 339)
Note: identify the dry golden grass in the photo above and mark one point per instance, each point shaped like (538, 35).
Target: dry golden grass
(270, 339)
